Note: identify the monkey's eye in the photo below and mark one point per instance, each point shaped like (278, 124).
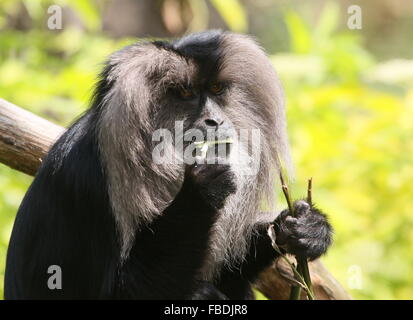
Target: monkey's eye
(217, 88)
(186, 93)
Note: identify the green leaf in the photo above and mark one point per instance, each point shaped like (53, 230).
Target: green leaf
(300, 36)
(327, 23)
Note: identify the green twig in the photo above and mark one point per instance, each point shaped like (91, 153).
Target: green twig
(295, 293)
(284, 187)
(302, 264)
(310, 192)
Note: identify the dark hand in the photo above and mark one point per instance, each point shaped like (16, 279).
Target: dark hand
(214, 182)
(307, 235)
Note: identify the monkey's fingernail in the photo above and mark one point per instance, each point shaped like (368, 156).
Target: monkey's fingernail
(302, 205)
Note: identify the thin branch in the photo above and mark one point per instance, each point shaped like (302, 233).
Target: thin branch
(302, 264)
(310, 192)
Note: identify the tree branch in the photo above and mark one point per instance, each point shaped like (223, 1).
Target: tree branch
(26, 138)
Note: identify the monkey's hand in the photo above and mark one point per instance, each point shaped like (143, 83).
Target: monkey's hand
(308, 234)
(213, 182)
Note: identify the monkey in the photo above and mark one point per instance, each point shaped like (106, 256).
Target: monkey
(119, 225)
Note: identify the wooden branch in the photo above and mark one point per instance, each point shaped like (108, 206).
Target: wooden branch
(274, 283)
(26, 138)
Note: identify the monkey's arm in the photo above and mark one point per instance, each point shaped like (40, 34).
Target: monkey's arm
(167, 255)
(308, 235)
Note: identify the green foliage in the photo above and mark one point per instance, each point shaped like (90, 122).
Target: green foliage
(349, 122)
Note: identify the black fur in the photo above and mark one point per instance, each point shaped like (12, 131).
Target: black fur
(66, 219)
(204, 48)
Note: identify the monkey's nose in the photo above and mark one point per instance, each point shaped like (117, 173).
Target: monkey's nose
(213, 122)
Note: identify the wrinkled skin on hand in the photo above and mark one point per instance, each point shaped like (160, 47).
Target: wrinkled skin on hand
(308, 234)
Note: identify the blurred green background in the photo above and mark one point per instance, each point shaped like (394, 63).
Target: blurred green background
(349, 98)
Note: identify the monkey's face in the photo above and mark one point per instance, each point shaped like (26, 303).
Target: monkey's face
(199, 111)
(203, 106)
(210, 96)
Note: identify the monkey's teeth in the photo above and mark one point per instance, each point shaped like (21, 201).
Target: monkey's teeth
(204, 150)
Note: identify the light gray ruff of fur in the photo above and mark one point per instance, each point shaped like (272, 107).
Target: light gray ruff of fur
(139, 190)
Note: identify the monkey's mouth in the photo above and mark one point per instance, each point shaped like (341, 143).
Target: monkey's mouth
(220, 149)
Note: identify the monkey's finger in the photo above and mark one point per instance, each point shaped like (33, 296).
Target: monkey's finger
(301, 207)
(208, 172)
(291, 222)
